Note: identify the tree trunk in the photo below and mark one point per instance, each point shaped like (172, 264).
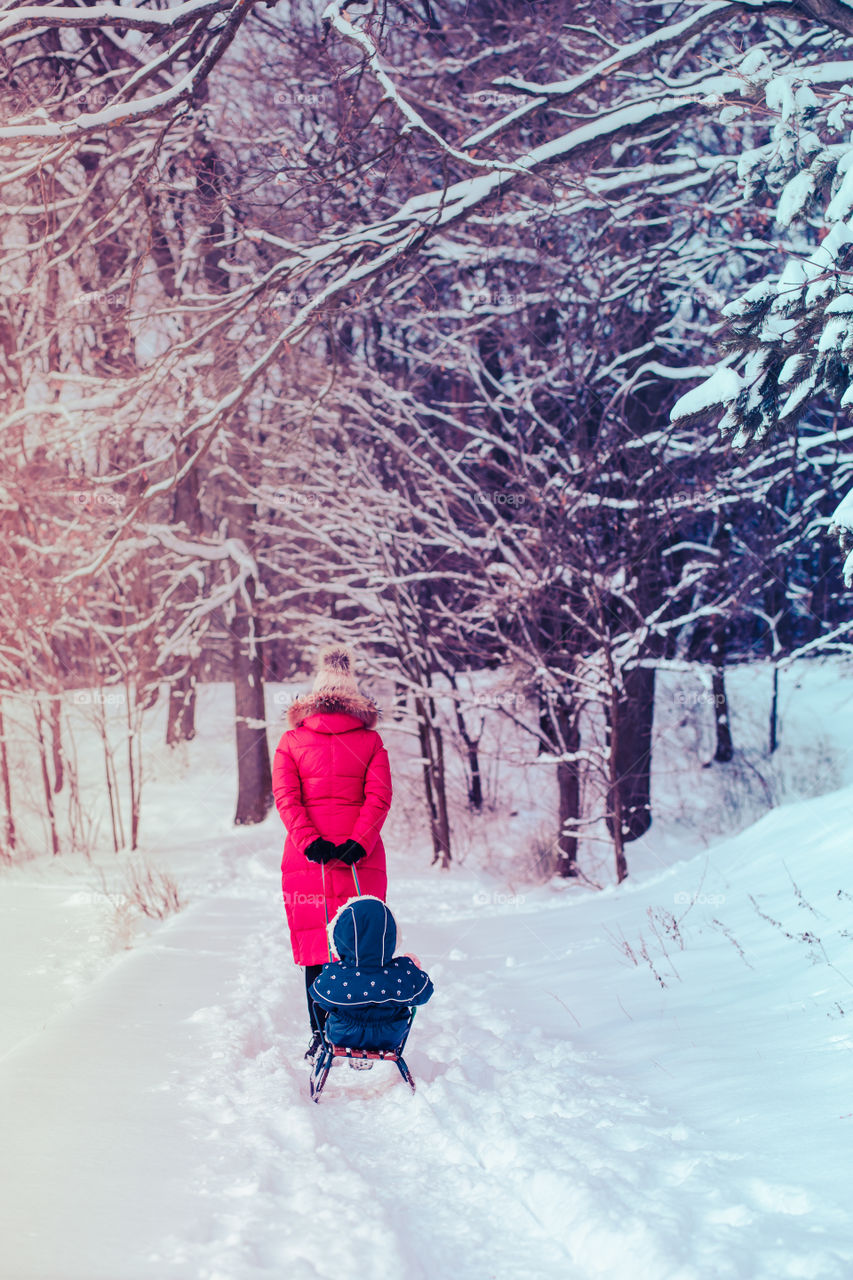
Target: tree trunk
(9, 823)
(401, 698)
(56, 742)
(183, 681)
(254, 777)
(472, 756)
(615, 805)
(558, 725)
(475, 779)
(134, 760)
(180, 724)
(45, 776)
(774, 712)
(631, 744)
(113, 793)
(724, 749)
(615, 809)
(432, 756)
(569, 792)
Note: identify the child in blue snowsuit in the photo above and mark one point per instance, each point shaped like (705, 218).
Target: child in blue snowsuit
(367, 993)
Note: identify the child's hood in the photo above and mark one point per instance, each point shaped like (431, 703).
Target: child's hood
(363, 932)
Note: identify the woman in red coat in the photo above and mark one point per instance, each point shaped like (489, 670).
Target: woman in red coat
(332, 787)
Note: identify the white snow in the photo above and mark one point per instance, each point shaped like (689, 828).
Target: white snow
(797, 396)
(794, 197)
(646, 1082)
(842, 516)
(723, 386)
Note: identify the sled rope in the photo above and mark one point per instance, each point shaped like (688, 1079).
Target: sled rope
(326, 902)
(326, 911)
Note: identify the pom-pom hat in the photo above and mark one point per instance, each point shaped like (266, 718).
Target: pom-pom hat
(334, 671)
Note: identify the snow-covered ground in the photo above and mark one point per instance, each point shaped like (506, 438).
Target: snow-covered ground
(650, 1081)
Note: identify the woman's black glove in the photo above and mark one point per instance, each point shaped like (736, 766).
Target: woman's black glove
(321, 850)
(349, 852)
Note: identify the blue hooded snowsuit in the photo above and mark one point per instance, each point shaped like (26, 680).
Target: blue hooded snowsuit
(367, 992)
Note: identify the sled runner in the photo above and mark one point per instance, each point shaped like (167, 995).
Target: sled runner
(328, 1052)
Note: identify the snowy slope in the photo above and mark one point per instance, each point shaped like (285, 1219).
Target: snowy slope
(649, 1082)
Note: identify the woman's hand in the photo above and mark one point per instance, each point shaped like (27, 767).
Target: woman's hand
(320, 850)
(349, 852)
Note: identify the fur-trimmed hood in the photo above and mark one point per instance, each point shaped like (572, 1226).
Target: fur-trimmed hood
(331, 703)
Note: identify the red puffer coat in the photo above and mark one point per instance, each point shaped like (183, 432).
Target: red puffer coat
(330, 778)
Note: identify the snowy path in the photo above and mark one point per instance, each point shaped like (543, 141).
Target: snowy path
(161, 1129)
(518, 1157)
